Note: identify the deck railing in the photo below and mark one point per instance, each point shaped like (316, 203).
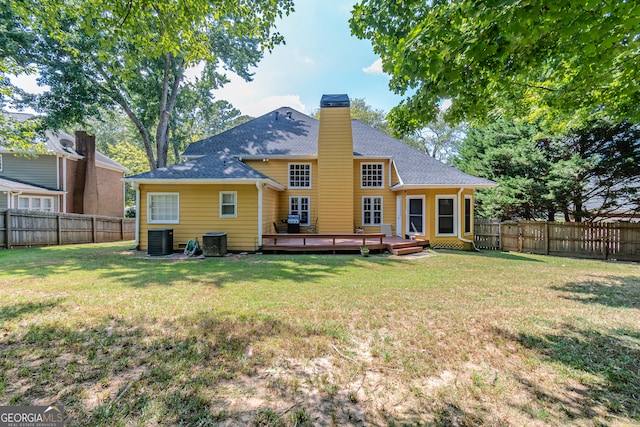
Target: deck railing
(369, 239)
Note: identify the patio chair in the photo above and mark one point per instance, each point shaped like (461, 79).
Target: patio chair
(313, 228)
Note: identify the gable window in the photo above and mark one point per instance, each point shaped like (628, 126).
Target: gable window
(445, 213)
(372, 175)
(228, 204)
(299, 175)
(467, 214)
(36, 203)
(371, 210)
(163, 208)
(299, 205)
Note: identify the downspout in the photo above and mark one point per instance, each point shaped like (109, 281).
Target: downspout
(259, 187)
(460, 216)
(137, 187)
(9, 195)
(64, 184)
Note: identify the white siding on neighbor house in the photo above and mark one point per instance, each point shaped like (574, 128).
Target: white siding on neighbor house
(41, 170)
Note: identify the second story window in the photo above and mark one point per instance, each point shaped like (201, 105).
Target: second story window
(299, 175)
(372, 175)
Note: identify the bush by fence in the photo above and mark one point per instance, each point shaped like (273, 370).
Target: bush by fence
(22, 228)
(601, 240)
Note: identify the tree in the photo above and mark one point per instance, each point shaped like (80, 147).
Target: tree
(582, 174)
(97, 54)
(14, 134)
(439, 139)
(366, 113)
(555, 62)
(505, 152)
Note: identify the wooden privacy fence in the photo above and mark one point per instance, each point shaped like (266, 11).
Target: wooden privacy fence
(22, 228)
(600, 240)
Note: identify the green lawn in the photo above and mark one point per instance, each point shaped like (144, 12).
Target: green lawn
(453, 338)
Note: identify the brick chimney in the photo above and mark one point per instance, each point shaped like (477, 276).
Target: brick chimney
(335, 166)
(85, 195)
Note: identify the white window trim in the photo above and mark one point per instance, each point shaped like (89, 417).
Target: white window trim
(455, 212)
(149, 196)
(41, 198)
(235, 204)
(310, 175)
(362, 186)
(464, 214)
(309, 211)
(373, 210)
(0, 162)
(410, 232)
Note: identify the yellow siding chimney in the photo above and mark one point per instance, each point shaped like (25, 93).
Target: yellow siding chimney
(335, 166)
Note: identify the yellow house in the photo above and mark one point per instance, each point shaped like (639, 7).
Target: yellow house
(336, 174)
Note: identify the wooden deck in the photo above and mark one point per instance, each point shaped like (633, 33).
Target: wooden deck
(307, 242)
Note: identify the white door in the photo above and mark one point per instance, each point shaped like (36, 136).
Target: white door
(398, 215)
(415, 215)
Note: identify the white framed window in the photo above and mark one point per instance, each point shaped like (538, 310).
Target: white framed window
(445, 215)
(372, 175)
(228, 204)
(36, 203)
(0, 162)
(163, 208)
(299, 205)
(468, 206)
(299, 175)
(371, 210)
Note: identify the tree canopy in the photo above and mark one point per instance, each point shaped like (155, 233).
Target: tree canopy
(97, 54)
(585, 173)
(563, 62)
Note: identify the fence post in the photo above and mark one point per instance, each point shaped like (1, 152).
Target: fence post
(520, 238)
(7, 228)
(122, 229)
(606, 241)
(93, 226)
(500, 237)
(547, 237)
(59, 230)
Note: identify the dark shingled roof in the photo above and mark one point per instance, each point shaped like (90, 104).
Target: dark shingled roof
(282, 132)
(288, 133)
(214, 167)
(15, 184)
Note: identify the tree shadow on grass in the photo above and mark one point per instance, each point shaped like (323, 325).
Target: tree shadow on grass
(126, 267)
(485, 253)
(611, 291)
(610, 359)
(9, 313)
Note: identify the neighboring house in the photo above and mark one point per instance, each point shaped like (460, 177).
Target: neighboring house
(338, 174)
(70, 176)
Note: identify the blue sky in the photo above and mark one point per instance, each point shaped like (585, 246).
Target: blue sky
(320, 57)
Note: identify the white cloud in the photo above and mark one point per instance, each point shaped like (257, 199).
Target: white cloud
(374, 68)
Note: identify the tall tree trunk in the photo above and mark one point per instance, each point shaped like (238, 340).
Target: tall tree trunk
(167, 104)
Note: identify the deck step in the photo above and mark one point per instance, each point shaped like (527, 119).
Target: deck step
(406, 250)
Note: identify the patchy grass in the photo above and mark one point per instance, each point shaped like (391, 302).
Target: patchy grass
(451, 339)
